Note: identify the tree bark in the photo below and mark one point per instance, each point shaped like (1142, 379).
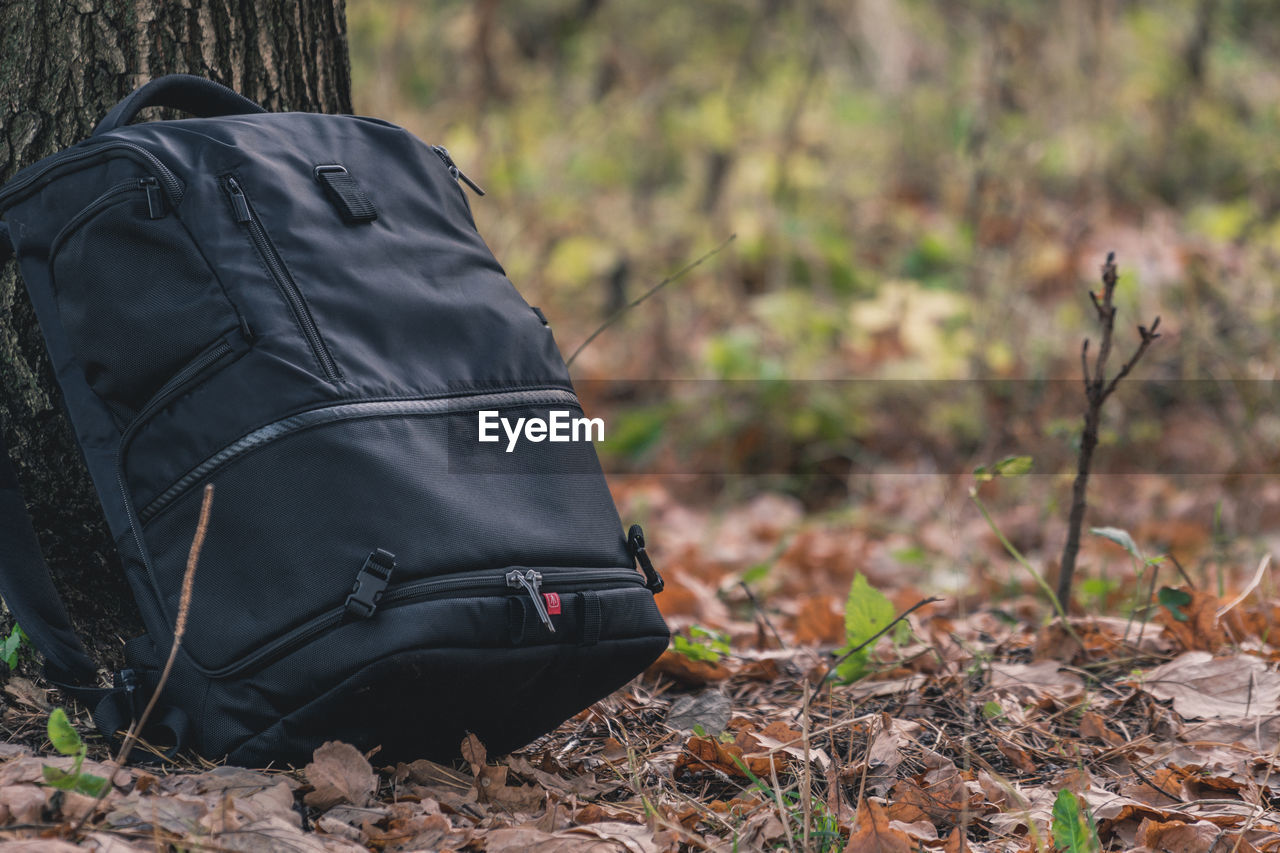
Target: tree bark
(63, 64)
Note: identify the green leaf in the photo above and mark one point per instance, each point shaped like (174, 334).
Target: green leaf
(1010, 466)
(1013, 466)
(991, 710)
(866, 612)
(90, 785)
(1121, 538)
(80, 783)
(1173, 600)
(1073, 832)
(60, 779)
(64, 737)
(11, 645)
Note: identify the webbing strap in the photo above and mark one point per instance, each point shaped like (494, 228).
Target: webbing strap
(345, 193)
(27, 588)
(28, 591)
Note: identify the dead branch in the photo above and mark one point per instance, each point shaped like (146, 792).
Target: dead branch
(1097, 389)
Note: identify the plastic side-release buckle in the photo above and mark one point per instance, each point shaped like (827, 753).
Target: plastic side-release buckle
(635, 541)
(371, 583)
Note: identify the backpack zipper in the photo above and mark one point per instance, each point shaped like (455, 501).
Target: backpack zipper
(454, 171)
(192, 371)
(284, 281)
(480, 583)
(416, 407)
(149, 185)
(166, 178)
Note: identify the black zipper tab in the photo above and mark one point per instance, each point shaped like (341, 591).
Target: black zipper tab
(458, 174)
(284, 281)
(238, 202)
(531, 582)
(155, 198)
(635, 541)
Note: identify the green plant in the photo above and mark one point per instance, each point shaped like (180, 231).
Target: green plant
(12, 645)
(1174, 600)
(701, 644)
(1140, 564)
(823, 828)
(866, 613)
(66, 740)
(1074, 830)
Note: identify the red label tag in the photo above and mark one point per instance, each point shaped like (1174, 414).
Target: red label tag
(553, 603)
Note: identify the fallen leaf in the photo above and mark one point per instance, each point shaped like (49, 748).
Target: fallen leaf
(873, 833)
(1203, 687)
(692, 673)
(491, 781)
(709, 710)
(21, 803)
(1093, 725)
(1031, 681)
(1200, 629)
(339, 773)
(25, 692)
(819, 622)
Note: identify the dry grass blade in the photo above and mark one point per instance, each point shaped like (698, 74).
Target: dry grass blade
(180, 627)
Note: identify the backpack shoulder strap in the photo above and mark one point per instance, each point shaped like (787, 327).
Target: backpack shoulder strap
(27, 588)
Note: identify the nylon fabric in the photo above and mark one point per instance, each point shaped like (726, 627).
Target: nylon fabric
(298, 310)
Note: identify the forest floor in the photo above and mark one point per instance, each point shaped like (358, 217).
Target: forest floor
(963, 733)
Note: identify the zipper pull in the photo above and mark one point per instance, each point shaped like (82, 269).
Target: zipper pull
(458, 174)
(531, 582)
(155, 198)
(238, 201)
(635, 542)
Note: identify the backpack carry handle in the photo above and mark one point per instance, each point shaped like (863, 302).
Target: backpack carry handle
(185, 92)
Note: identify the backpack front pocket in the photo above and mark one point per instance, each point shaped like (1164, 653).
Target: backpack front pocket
(303, 502)
(135, 296)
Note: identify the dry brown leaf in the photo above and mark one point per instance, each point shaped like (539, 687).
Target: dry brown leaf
(1092, 724)
(819, 622)
(21, 803)
(491, 781)
(25, 692)
(1031, 681)
(701, 754)
(956, 842)
(1203, 687)
(1175, 836)
(872, 833)
(419, 832)
(1018, 757)
(339, 773)
(1201, 631)
(693, 673)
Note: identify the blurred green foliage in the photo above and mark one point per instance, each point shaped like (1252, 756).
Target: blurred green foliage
(921, 190)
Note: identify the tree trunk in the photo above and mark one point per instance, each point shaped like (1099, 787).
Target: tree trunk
(62, 66)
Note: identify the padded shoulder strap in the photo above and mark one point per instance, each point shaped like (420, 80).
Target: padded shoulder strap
(6, 245)
(27, 588)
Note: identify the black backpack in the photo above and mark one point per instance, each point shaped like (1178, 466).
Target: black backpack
(298, 309)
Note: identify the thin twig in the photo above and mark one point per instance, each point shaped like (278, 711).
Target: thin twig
(617, 315)
(835, 665)
(763, 616)
(1096, 390)
(180, 627)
